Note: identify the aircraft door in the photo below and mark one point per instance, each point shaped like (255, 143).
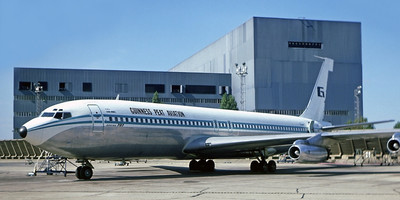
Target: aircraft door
(216, 126)
(229, 124)
(97, 118)
(311, 127)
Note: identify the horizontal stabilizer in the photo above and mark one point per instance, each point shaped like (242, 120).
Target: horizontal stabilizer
(343, 126)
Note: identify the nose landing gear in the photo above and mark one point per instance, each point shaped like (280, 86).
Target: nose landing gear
(85, 171)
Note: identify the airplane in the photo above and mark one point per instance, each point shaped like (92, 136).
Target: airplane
(126, 130)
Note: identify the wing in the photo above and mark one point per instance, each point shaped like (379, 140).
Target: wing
(212, 146)
(235, 146)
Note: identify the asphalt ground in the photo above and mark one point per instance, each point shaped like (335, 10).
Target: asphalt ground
(170, 179)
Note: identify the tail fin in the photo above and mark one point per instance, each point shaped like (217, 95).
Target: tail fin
(316, 106)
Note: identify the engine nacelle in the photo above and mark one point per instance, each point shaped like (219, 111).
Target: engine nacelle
(307, 153)
(393, 143)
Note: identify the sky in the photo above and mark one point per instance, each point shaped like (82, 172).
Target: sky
(156, 35)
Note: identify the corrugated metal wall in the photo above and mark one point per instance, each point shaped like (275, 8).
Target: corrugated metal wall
(280, 78)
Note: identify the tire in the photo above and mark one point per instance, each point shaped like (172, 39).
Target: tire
(271, 166)
(210, 166)
(193, 165)
(254, 166)
(86, 173)
(78, 172)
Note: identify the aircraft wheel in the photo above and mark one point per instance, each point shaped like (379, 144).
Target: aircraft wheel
(254, 166)
(271, 166)
(78, 172)
(86, 173)
(209, 166)
(193, 165)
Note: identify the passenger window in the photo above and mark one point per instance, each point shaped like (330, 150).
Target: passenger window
(58, 115)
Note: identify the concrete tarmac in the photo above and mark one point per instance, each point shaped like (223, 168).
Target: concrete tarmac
(170, 179)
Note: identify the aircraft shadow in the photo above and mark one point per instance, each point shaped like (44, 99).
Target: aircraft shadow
(183, 172)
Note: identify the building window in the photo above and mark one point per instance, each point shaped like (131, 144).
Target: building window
(200, 89)
(25, 85)
(224, 89)
(121, 88)
(307, 45)
(87, 87)
(63, 86)
(44, 85)
(151, 88)
(176, 88)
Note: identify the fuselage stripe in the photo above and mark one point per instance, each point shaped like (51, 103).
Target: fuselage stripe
(170, 122)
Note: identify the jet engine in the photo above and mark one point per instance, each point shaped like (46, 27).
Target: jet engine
(302, 151)
(393, 143)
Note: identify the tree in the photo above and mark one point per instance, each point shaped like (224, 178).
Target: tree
(224, 102)
(232, 105)
(155, 98)
(397, 125)
(228, 102)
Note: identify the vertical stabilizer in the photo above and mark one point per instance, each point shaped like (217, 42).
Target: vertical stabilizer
(316, 106)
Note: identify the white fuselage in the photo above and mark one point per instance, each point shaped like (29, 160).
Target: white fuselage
(115, 129)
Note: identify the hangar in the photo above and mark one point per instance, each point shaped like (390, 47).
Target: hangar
(278, 55)
(281, 67)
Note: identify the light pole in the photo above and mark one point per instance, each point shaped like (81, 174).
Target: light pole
(357, 95)
(38, 91)
(241, 71)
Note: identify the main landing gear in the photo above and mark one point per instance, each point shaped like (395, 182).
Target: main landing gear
(261, 164)
(202, 165)
(85, 171)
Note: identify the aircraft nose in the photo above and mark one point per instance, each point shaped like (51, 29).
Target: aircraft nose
(23, 131)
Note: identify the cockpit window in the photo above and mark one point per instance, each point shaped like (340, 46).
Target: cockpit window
(58, 115)
(67, 115)
(47, 114)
